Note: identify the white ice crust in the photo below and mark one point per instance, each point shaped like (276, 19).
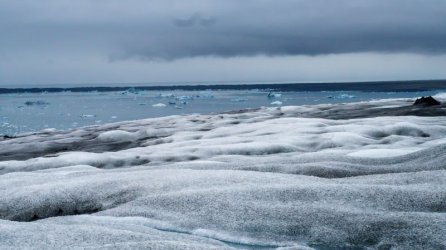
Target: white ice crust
(250, 180)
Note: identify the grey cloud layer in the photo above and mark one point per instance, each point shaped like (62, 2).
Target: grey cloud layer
(179, 29)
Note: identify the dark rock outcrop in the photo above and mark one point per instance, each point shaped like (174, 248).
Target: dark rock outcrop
(426, 101)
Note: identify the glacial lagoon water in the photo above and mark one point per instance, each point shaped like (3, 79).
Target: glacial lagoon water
(28, 112)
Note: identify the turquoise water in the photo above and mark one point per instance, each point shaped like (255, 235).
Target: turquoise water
(28, 112)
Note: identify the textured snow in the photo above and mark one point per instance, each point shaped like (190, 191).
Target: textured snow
(267, 178)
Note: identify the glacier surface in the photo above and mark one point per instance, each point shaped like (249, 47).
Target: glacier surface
(285, 177)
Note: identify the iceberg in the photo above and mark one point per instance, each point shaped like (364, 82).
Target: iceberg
(272, 94)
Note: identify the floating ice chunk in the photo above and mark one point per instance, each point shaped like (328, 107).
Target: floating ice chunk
(272, 94)
(276, 103)
(114, 117)
(165, 95)
(239, 99)
(208, 94)
(342, 96)
(159, 105)
(185, 98)
(131, 91)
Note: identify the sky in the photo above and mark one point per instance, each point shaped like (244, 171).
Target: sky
(92, 42)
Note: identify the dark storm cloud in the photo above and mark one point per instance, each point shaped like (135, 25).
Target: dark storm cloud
(195, 19)
(179, 29)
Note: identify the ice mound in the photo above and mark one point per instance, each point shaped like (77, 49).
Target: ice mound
(159, 105)
(116, 136)
(96, 232)
(282, 177)
(241, 206)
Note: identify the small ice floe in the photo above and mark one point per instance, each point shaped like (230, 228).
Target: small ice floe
(159, 105)
(278, 103)
(114, 117)
(185, 98)
(36, 103)
(165, 95)
(208, 94)
(87, 116)
(346, 96)
(131, 91)
(272, 94)
(239, 99)
(342, 96)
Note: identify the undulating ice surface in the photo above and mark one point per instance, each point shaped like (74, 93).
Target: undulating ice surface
(291, 177)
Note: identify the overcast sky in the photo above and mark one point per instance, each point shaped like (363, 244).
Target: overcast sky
(50, 42)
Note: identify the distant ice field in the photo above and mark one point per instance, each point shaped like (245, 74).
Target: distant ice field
(28, 112)
(363, 175)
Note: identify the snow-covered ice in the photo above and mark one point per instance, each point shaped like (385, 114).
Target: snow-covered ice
(159, 105)
(278, 103)
(283, 177)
